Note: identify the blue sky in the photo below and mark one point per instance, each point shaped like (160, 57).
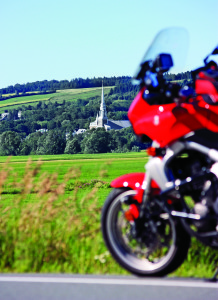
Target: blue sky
(52, 39)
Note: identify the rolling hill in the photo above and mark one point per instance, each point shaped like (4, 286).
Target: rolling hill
(59, 96)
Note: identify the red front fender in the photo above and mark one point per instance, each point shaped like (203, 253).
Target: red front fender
(135, 182)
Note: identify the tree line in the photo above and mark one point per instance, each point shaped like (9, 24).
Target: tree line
(56, 142)
(180, 76)
(52, 85)
(2, 98)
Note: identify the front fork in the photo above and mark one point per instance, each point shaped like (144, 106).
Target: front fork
(154, 171)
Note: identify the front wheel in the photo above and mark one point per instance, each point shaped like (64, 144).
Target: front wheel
(154, 245)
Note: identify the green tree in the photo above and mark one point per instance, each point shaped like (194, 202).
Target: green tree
(54, 142)
(41, 150)
(9, 143)
(96, 141)
(51, 124)
(30, 144)
(73, 146)
(22, 128)
(25, 149)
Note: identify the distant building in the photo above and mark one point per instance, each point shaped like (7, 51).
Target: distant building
(79, 131)
(4, 116)
(103, 121)
(19, 114)
(42, 130)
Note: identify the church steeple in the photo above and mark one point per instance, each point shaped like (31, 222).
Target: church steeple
(103, 111)
(101, 119)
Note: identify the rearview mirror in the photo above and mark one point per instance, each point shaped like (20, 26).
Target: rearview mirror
(163, 62)
(215, 51)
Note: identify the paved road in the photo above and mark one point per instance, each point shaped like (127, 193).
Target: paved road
(90, 287)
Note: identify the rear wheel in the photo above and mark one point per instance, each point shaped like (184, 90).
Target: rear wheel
(151, 246)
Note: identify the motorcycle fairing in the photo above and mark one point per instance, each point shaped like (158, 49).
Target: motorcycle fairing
(134, 181)
(169, 122)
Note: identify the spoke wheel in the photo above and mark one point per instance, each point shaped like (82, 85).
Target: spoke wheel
(151, 246)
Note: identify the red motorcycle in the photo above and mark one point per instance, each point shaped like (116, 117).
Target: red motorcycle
(149, 218)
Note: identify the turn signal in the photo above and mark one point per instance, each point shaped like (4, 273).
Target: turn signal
(151, 151)
(128, 215)
(132, 213)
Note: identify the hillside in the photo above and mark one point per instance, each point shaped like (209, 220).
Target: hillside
(47, 123)
(59, 96)
(39, 122)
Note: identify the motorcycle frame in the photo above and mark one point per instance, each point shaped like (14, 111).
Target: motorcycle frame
(156, 168)
(156, 178)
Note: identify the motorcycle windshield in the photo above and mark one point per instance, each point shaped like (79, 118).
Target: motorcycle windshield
(173, 41)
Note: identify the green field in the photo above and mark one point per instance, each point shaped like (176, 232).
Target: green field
(59, 96)
(117, 164)
(50, 221)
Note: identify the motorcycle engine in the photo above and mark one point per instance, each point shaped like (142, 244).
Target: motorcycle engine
(190, 164)
(203, 192)
(209, 203)
(214, 170)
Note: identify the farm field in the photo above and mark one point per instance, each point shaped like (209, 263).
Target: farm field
(50, 221)
(59, 96)
(105, 166)
(90, 164)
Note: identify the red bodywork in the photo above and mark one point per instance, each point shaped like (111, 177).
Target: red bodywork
(169, 122)
(134, 181)
(166, 124)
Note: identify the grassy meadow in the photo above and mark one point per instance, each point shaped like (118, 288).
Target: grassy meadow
(59, 96)
(50, 210)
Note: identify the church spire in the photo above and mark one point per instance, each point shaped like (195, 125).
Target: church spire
(101, 118)
(103, 106)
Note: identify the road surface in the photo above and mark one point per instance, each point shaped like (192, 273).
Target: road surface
(93, 287)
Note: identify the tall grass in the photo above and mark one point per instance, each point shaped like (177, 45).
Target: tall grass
(52, 232)
(53, 225)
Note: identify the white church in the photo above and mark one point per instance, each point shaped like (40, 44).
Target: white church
(103, 121)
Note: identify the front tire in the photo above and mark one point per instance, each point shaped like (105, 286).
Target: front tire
(160, 246)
